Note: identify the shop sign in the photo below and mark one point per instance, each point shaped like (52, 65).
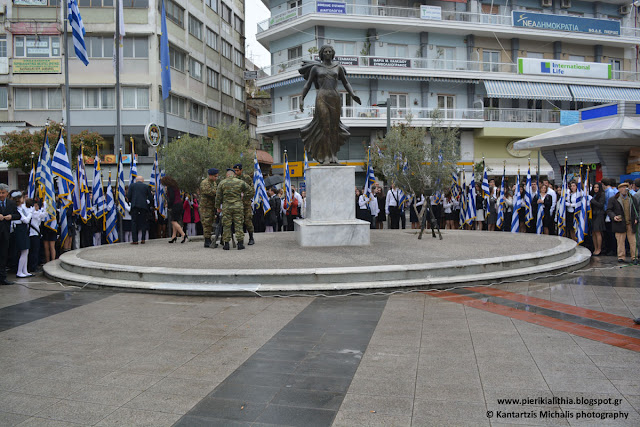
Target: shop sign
(331, 7)
(343, 60)
(30, 2)
(278, 19)
(390, 62)
(152, 134)
(575, 24)
(433, 13)
(592, 70)
(37, 66)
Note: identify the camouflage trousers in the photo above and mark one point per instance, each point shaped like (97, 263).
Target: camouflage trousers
(207, 218)
(235, 217)
(248, 217)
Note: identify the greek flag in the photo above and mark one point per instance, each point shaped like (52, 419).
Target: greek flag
(370, 179)
(120, 193)
(133, 171)
(97, 196)
(579, 215)
(517, 205)
(463, 200)
(485, 189)
(561, 210)
(455, 187)
(112, 215)
(380, 152)
(64, 203)
(540, 216)
(287, 183)
(160, 197)
(586, 202)
(77, 28)
(47, 183)
(306, 166)
(85, 196)
(60, 164)
(31, 189)
(61, 168)
(501, 201)
(260, 195)
(471, 203)
(528, 199)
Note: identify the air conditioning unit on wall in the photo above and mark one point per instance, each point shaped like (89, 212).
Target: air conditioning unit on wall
(565, 4)
(546, 3)
(625, 10)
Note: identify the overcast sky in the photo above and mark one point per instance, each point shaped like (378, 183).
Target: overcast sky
(255, 11)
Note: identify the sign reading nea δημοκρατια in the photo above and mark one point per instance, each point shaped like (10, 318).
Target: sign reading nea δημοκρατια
(576, 24)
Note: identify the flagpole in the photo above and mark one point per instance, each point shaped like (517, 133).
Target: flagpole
(116, 140)
(67, 91)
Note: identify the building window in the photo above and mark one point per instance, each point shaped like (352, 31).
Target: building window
(212, 78)
(102, 3)
(140, 4)
(447, 105)
(397, 50)
(576, 58)
(197, 112)
(195, 27)
(135, 47)
(226, 13)
(36, 46)
(238, 24)
(239, 92)
(399, 103)
(35, 99)
(345, 48)
(212, 4)
(238, 58)
(616, 67)
(3, 46)
(175, 13)
(97, 47)
(295, 102)
(135, 98)
(294, 53)
(536, 55)
(226, 49)
(491, 61)
(212, 39)
(195, 69)
(226, 86)
(176, 59)
(445, 57)
(175, 105)
(93, 99)
(213, 117)
(4, 98)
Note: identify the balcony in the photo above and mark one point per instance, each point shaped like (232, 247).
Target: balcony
(416, 66)
(405, 14)
(375, 117)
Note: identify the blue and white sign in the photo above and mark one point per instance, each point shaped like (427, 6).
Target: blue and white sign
(433, 13)
(593, 70)
(568, 117)
(331, 7)
(575, 24)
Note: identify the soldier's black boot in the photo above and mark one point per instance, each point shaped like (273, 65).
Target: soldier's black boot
(207, 242)
(251, 241)
(226, 246)
(240, 245)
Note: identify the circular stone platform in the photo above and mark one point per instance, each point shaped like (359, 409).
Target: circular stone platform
(276, 264)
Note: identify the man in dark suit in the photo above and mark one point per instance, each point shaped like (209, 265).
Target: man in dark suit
(141, 199)
(8, 212)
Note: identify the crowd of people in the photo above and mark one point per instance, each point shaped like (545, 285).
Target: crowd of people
(217, 210)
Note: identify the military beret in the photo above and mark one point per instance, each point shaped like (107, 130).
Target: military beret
(237, 166)
(230, 169)
(213, 171)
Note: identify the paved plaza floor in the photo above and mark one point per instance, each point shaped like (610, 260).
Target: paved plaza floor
(558, 350)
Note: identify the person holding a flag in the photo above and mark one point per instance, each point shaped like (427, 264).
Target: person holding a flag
(544, 199)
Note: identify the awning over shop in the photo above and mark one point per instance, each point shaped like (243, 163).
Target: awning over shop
(604, 93)
(527, 90)
(282, 83)
(411, 78)
(264, 157)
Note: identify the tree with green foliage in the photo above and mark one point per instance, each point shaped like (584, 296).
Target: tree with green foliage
(17, 146)
(188, 158)
(417, 161)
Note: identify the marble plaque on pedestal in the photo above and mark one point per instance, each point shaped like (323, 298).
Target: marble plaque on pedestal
(331, 211)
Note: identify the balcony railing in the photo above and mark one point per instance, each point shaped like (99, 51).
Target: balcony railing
(370, 113)
(521, 115)
(407, 13)
(432, 64)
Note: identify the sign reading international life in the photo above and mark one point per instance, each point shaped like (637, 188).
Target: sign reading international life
(591, 70)
(433, 13)
(331, 7)
(575, 24)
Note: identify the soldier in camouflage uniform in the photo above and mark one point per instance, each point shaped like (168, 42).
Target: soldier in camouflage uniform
(248, 212)
(208, 189)
(229, 201)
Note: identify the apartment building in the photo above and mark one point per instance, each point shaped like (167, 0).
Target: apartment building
(206, 44)
(500, 70)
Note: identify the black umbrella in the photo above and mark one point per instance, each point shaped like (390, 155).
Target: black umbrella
(273, 180)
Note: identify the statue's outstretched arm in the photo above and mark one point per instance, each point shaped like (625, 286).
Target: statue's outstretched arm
(342, 75)
(307, 87)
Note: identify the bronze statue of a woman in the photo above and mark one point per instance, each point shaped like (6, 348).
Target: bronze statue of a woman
(325, 134)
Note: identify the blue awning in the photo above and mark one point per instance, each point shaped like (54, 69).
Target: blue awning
(527, 90)
(604, 93)
(282, 83)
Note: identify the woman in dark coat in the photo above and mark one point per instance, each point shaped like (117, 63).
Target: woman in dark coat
(174, 203)
(597, 217)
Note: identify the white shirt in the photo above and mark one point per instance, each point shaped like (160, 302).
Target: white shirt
(421, 201)
(37, 217)
(393, 199)
(449, 204)
(554, 198)
(571, 202)
(25, 216)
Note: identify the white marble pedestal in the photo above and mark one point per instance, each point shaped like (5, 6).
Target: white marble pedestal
(331, 212)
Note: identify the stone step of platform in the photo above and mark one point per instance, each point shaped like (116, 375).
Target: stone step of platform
(72, 269)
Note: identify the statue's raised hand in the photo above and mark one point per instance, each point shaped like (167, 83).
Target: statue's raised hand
(357, 99)
(301, 108)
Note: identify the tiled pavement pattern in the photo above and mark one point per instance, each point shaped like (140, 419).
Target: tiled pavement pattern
(137, 359)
